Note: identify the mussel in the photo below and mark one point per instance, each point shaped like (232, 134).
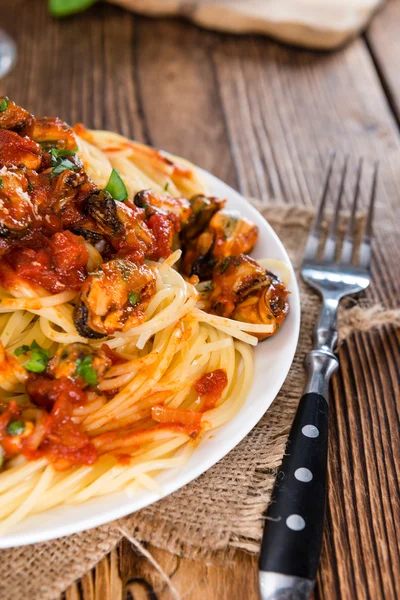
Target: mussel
(245, 291)
(227, 234)
(113, 298)
(80, 362)
(166, 204)
(16, 209)
(202, 210)
(13, 116)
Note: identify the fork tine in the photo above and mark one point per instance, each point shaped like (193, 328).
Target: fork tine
(313, 237)
(365, 248)
(348, 242)
(330, 244)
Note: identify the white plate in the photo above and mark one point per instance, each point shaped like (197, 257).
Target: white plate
(272, 362)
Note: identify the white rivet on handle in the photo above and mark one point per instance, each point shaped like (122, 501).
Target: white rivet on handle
(310, 431)
(295, 522)
(303, 474)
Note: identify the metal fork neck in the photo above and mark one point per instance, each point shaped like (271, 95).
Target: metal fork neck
(325, 334)
(321, 362)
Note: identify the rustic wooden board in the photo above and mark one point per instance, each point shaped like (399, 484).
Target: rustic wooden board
(384, 42)
(263, 118)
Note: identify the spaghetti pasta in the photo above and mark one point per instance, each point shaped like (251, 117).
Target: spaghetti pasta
(117, 352)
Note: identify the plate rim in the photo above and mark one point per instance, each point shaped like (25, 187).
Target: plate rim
(106, 516)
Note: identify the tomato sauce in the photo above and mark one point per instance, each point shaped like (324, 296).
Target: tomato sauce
(116, 359)
(163, 229)
(64, 443)
(57, 263)
(210, 387)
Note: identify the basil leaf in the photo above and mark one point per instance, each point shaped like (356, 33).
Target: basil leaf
(134, 298)
(15, 428)
(4, 103)
(85, 369)
(63, 8)
(116, 187)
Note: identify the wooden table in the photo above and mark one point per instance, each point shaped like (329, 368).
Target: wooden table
(256, 114)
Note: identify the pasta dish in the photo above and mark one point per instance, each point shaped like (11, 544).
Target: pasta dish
(129, 306)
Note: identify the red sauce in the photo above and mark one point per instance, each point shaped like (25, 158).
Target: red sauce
(210, 387)
(116, 359)
(45, 392)
(163, 229)
(57, 263)
(64, 443)
(124, 459)
(17, 151)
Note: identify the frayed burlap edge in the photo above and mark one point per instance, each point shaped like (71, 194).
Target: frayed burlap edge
(221, 510)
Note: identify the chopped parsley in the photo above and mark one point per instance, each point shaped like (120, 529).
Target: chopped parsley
(84, 369)
(59, 162)
(1, 183)
(15, 428)
(116, 187)
(38, 359)
(31, 187)
(166, 187)
(63, 165)
(57, 153)
(134, 298)
(4, 104)
(22, 350)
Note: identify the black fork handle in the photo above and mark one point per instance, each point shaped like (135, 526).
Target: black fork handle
(293, 530)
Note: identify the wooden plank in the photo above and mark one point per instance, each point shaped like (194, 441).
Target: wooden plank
(384, 43)
(263, 118)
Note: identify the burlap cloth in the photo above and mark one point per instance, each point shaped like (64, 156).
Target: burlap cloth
(223, 508)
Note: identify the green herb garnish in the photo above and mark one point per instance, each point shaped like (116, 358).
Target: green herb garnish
(1, 183)
(116, 187)
(15, 428)
(39, 357)
(84, 369)
(63, 8)
(21, 350)
(4, 103)
(63, 165)
(224, 265)
(57, 153)
(166, 187)
(133, 298)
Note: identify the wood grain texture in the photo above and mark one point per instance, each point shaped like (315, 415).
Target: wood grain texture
(263, 118)
(384, 43)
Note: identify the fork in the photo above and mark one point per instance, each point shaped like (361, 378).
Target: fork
(292, 538)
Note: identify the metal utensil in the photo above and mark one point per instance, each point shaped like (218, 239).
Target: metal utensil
(293, 530)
